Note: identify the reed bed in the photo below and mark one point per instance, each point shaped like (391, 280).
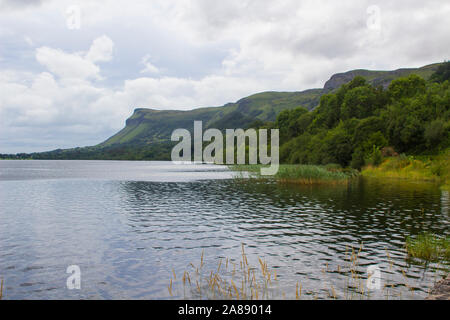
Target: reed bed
(302, 174)
(429, 247)
(239, 280)
(310, 174)
(1, 290)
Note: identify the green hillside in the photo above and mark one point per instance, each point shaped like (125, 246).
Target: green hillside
(147, 126)
(146, 134)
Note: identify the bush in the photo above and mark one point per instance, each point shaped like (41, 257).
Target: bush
(358, 160)
(376, 158)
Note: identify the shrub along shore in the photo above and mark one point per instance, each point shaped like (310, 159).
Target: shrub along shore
(416, 168)
(435, 168)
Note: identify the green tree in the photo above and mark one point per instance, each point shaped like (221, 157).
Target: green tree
(406, 87)
(358, 103)
(435, 132)
(358, 159)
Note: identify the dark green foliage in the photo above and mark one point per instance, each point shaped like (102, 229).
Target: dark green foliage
(376, 157)
(366, 127)
(156, 151)
(406, 87)
(338, 146)
(288, 122)
(359, 102)
(353, 124)
(358, 160)
(435, 131)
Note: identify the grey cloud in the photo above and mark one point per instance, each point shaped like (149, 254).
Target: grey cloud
(19, 4)
(240, 47)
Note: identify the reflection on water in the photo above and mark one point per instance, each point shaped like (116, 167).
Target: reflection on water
(127, 235)
(445, 202)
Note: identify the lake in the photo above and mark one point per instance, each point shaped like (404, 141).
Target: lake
(130, 226)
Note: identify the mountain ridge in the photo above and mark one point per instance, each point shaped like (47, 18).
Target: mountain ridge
(148, 130)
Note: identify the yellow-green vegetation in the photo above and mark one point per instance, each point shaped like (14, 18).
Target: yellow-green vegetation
(302, 174)
(435, 169)
(1, 290)
(429, 247)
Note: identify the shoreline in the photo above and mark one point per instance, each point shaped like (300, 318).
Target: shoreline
(429, 169)
(441, 290)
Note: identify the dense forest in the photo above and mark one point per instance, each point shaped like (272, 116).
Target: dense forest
(359, 123)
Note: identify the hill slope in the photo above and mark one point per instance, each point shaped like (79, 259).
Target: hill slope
(148, 125)
(146, 134)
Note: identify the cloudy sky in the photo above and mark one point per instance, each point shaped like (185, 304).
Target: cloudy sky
(71, 72)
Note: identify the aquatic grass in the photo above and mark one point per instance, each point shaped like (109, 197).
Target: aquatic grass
(229, 280)
(1, 290)
(237, 280)
(300, 174)
(428, 247)
(311, 174)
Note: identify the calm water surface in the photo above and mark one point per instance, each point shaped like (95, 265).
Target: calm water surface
(128, 224)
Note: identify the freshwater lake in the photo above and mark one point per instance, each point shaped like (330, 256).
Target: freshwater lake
(130, 225)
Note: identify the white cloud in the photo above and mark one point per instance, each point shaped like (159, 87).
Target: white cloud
(101, 50)
(77, 65)
(66, 65)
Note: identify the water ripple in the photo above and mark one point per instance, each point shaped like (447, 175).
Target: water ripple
(127, 234)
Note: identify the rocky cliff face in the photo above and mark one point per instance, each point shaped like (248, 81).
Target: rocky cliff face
(339, 79)
(377, 78)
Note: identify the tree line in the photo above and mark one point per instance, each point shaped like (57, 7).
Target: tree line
(358, 123)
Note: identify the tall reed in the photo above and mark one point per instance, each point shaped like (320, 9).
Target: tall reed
(233, 279)
(429, 247)
(300, 174)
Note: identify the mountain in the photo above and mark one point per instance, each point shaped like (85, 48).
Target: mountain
(146, 134)
(377, 78)
(148, 125)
